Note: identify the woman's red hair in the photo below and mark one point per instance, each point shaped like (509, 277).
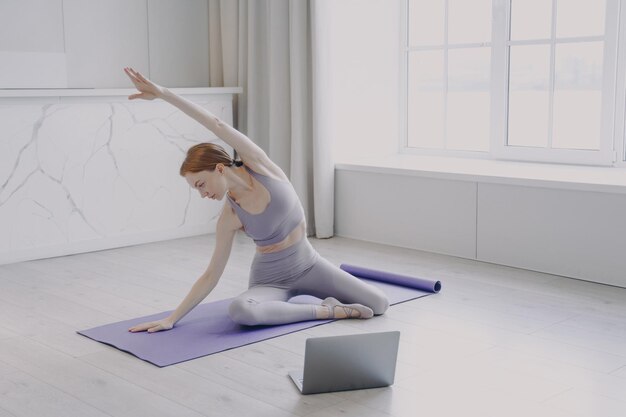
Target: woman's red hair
(204, 157)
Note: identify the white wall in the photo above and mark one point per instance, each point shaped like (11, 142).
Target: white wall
(572, 233)
(179, 42)
(32, 52)
(86, 43)
(100, 37)
(31, 25)
(419, 213)
(365, 56)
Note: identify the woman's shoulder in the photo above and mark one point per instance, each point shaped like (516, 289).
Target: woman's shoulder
(266, 167)
(229, 219)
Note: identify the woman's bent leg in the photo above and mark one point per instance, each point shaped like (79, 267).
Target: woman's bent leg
(268, 305)
(327, 280)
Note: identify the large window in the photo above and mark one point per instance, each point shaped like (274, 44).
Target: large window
(515, 79)
(448, 67)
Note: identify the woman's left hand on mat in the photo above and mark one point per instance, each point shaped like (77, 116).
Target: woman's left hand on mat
(152, 326)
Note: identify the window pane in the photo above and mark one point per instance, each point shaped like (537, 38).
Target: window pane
(425, 116)
(580, 18)
(426, 22)
(468, 99)
(577, 95)
(531, 19)
(529, 99)
(469, 21)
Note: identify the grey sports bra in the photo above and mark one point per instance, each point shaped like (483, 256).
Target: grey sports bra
(283, 213)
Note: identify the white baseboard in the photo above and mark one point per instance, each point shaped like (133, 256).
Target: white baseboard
(110, 242)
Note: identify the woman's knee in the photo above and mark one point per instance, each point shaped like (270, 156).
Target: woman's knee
(244, 311)
(380, 304)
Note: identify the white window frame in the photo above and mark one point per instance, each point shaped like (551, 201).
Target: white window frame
(620, 92)
(404, 83)
(613, 130)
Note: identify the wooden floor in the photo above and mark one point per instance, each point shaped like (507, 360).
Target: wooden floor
(496, 341)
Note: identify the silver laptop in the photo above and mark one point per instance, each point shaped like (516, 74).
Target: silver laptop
(341, 363)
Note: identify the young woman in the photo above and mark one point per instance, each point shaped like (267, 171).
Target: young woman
(263, 203)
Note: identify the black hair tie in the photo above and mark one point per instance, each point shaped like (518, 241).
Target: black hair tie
(237, 163)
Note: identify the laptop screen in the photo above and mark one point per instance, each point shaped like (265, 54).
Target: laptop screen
(349, 362)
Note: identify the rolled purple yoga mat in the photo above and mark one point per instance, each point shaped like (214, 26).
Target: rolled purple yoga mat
(391, 278)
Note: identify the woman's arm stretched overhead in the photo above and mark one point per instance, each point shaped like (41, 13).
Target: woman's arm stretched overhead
(246, 149)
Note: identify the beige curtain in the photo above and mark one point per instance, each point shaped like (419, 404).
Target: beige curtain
(274, 50)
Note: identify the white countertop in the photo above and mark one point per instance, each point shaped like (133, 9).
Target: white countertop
(108, 92)
(587, 178)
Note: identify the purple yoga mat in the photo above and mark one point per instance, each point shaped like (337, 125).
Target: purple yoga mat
(208, 329)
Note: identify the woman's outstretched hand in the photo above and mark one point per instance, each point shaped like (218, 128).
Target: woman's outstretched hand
(153, 326)
(147, 89)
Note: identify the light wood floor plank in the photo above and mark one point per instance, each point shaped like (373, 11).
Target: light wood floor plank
(260, 384)
(620, 372)
(25, 396)
(560, 372)
(99, 389)
(204, 395)
(580, 402)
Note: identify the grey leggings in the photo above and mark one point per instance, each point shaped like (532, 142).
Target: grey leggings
(298, 270)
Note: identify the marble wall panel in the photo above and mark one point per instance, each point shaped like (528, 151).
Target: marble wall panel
(91, 173)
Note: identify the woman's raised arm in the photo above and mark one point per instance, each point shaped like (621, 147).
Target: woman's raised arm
(246, 149)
